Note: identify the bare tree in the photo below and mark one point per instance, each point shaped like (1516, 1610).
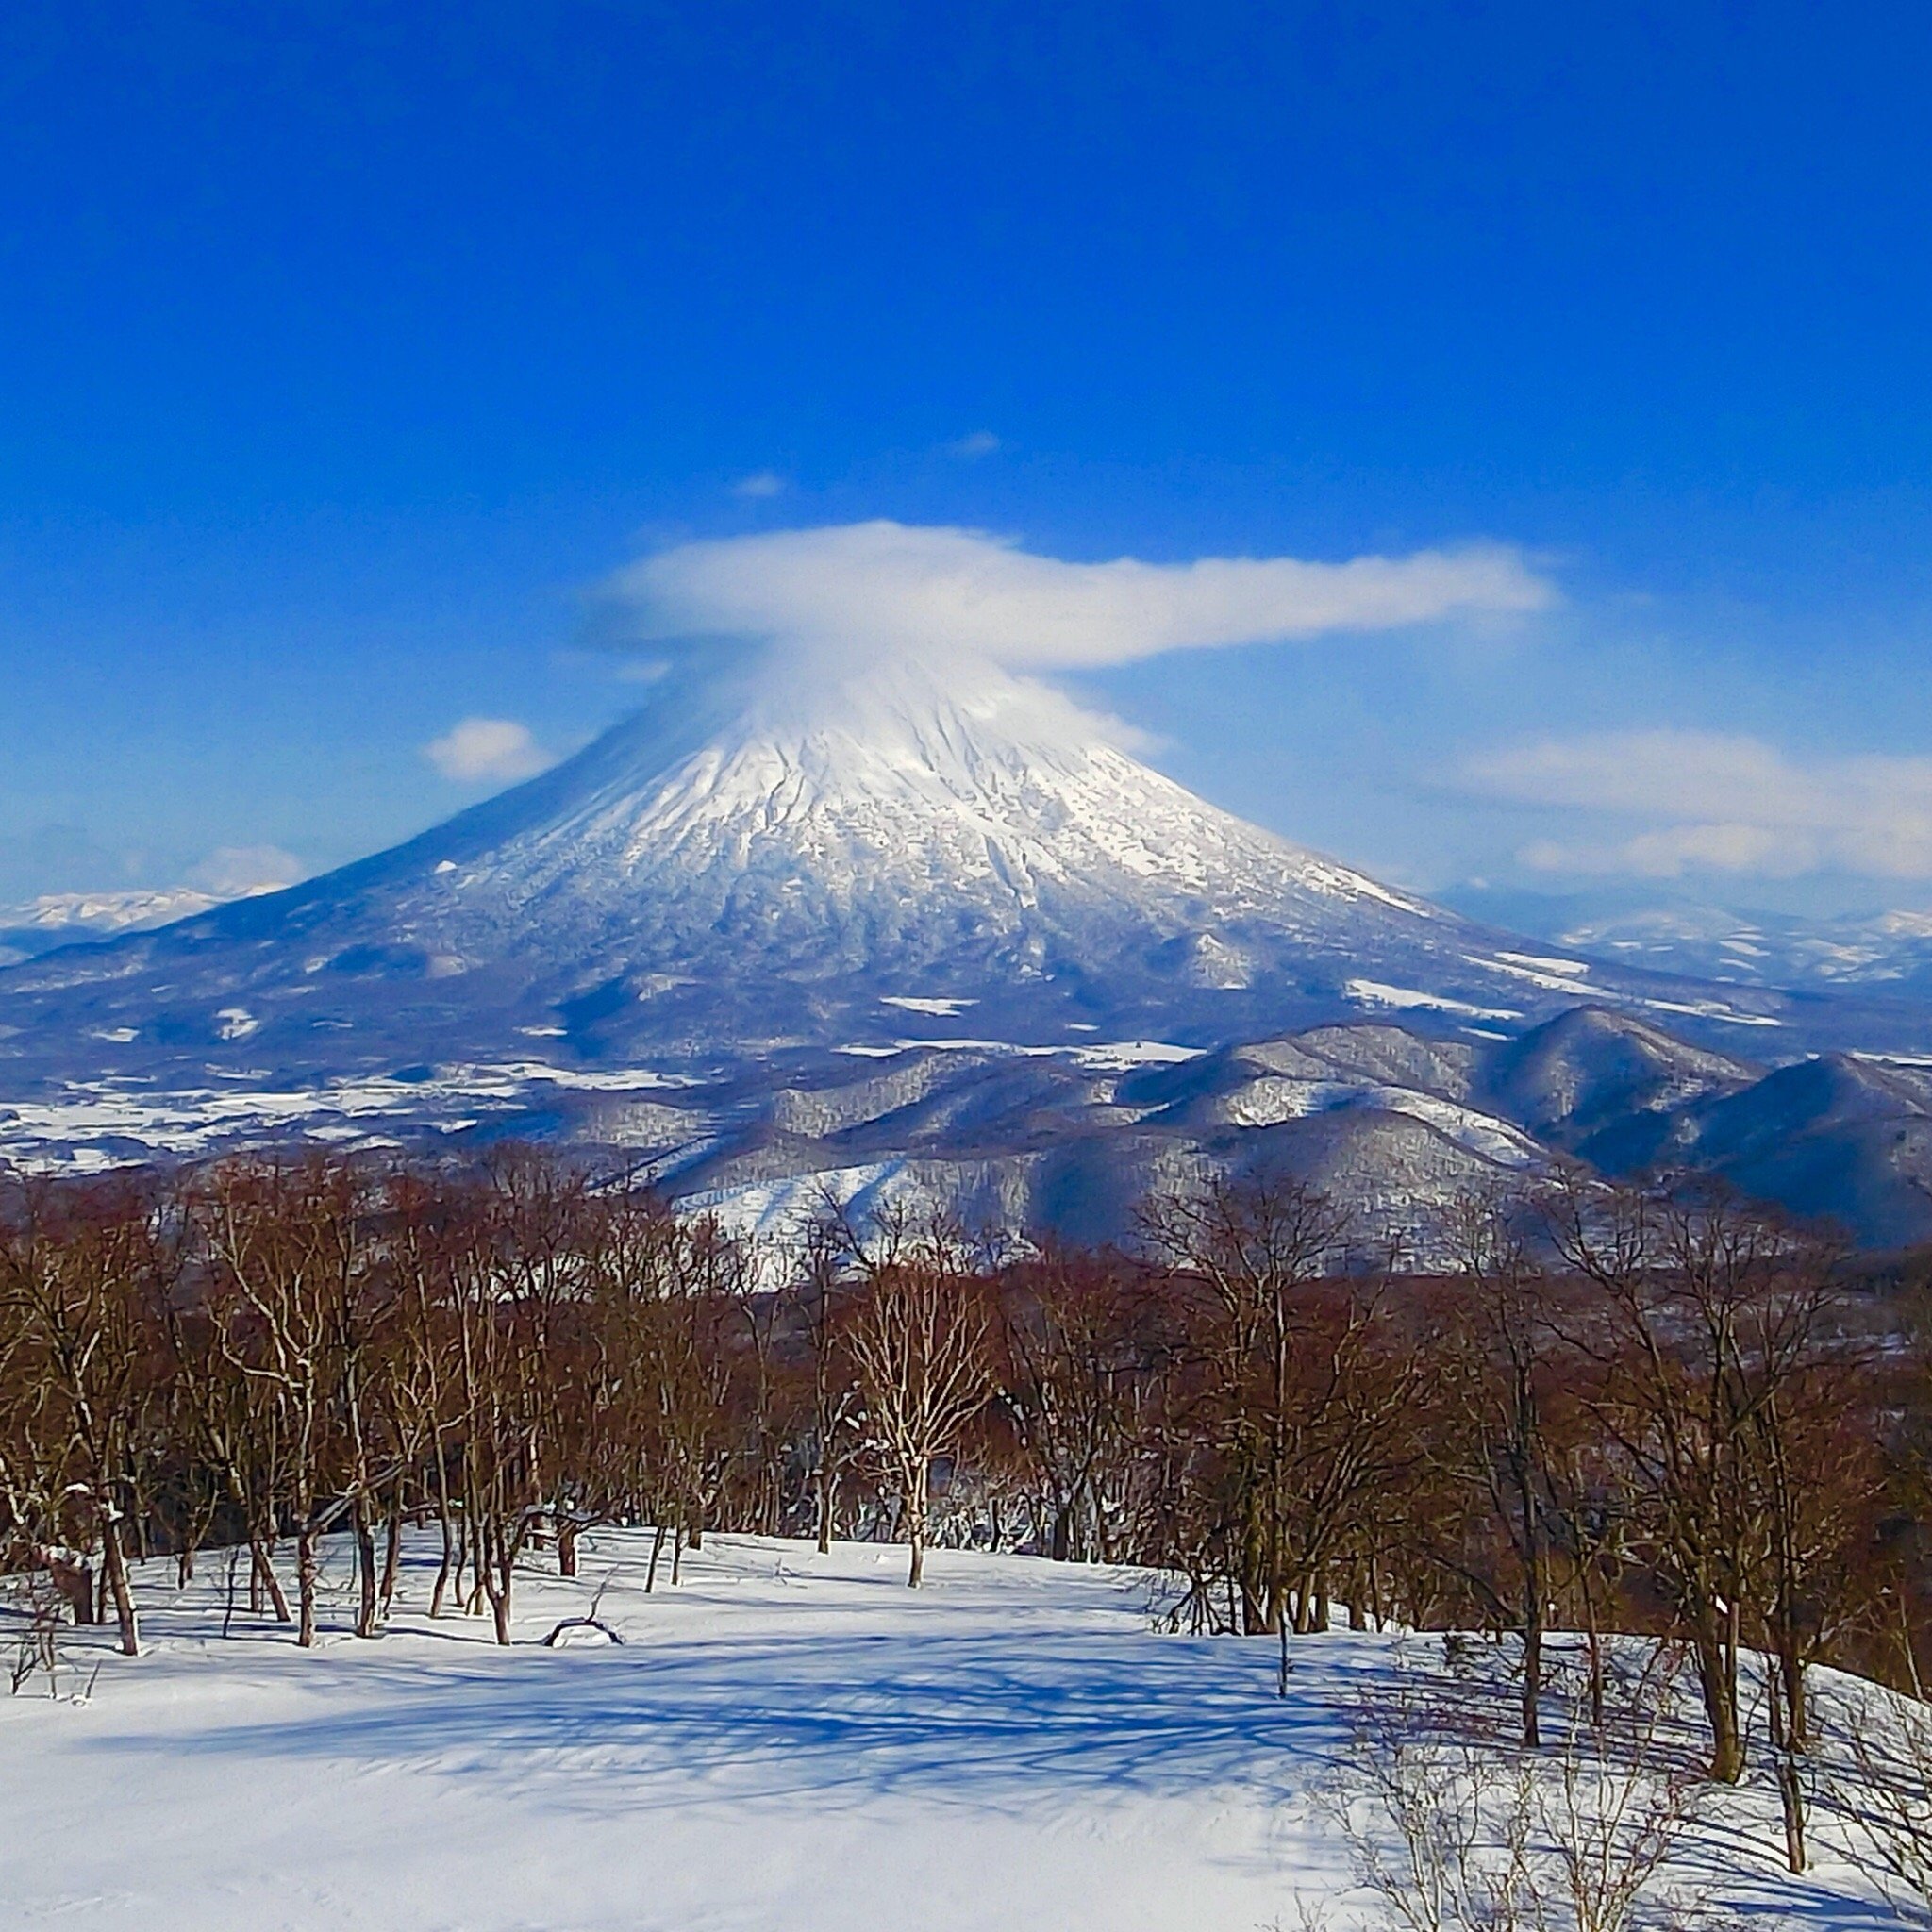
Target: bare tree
(79, 1273)
(286, 1253)
(1706, 1322)
(1077, 1362)
(1616, 1806)
(1504, 1451)
(920, 1344)
(817, 1295)
(1451, 1831)
(1878, 1780)
(1258, 1241)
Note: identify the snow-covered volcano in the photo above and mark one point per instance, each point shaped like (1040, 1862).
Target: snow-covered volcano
(894, 826)
(887, 930)
(830, 863)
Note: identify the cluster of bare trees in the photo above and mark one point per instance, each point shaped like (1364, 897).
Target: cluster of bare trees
(259, 1353)
(1613, 1411)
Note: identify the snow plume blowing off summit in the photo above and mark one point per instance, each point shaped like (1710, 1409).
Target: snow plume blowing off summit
(843, 598)
(883, 675)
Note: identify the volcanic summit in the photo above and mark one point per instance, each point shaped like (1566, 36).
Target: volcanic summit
(876, 920)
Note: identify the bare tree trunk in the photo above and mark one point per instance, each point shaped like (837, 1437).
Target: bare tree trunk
(825, 1506)
(915, 1524)
(1791, 1794)
(1593, 1638)
(114, 1573)
(263, 1584)
(306, 1568)
(392, 1554)
(1718, 1689)
(368, 1620)
(1310, 1609)
(1797, 1699)
(476, 1541)
(1254, 1613)
(1532, 1681)
(498, 1574)
(566, 1547)
(1787, 1696)
(452, 1560)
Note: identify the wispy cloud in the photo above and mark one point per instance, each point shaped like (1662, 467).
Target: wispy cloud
(230, 870)
(761, 483)
(888, 589)
(1691, 801)
(487, 750)
(981, 442)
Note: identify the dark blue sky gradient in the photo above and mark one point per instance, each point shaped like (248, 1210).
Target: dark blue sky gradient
(344, 344)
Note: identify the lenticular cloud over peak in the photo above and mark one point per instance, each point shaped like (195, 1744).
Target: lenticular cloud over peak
(885, 590)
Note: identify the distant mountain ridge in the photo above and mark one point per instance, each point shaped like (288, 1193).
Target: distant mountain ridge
(62, 918)
(1890, 952)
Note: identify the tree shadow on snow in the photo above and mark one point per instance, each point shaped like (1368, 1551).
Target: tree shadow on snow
(844, 1719)
(1028, 1728)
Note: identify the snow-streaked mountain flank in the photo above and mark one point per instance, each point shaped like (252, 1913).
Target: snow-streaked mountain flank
(895, 928)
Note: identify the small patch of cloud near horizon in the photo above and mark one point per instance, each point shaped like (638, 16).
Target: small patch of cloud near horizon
(74, 865)
(759, 484)
(230, 870)
(487, 750)
(1702, 801)
(891, 590)
(981, 442)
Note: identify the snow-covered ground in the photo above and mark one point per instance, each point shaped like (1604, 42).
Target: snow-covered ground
(783, 1741)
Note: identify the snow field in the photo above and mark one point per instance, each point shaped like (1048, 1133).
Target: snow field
(784, 1740)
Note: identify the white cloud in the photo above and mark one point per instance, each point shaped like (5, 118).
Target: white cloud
(498, 750)
(981, 442)
(760, 483)
(1706, 801)
(888, 589)
(231, 872)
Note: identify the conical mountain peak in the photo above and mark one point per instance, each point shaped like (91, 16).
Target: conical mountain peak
(803, 858)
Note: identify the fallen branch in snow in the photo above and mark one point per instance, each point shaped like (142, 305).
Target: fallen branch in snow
(556, 1636)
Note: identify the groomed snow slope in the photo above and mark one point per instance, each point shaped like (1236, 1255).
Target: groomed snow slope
(784, 1740)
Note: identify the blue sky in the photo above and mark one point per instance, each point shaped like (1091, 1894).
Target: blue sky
(345, 348)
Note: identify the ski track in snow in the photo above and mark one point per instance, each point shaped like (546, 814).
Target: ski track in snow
(784, 1740)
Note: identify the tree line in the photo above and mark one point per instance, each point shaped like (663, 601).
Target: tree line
(1604, 1411)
